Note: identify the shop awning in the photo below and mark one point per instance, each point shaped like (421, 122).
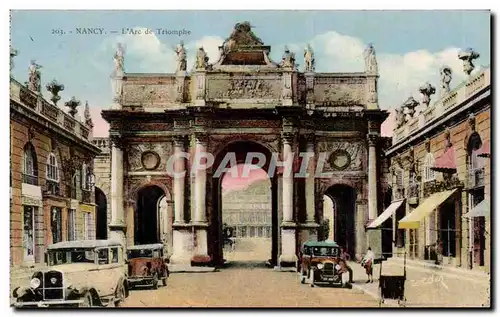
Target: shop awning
(385, 215)
(484, 151)
(446, 162)
(412, 220)
(480, 210)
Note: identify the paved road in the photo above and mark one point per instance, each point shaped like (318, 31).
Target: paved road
(245, 285)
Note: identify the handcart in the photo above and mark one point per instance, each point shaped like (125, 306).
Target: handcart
(393, 286)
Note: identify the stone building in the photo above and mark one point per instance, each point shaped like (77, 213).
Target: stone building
(243, 103)
(248, 211)
(441, 172)
(51, 176)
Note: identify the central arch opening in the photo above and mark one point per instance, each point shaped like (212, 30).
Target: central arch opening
(147, 215)
(343, 211)
(245, 219)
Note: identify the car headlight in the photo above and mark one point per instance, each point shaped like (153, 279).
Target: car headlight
(35, 283)
(320, 266)
(337, 267)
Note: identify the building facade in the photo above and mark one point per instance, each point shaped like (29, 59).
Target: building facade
(248, 211)
(243, 103)
(440, 170)
(51, 178)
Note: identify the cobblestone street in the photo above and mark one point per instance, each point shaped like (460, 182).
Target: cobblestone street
(245, 285)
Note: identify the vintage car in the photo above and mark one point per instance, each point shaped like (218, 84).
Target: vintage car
(319, 262)
(83, 273)
(147, 265)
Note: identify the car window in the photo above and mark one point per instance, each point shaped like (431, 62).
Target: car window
(103, 256)
(114, 255)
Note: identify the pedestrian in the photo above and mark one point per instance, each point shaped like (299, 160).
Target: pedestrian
(345, 257)
(367, 263)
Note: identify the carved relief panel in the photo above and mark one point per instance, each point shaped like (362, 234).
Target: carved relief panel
(340, 91)
(342, 156)
(226, 87)
(150, 95)
(148, 156)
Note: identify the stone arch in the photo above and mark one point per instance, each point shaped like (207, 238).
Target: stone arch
(142, 224)
(134, 190)
(345, 200)
(220, 145)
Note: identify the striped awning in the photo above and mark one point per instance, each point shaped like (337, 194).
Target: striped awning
(412, 220)
(480, 210)
(385, 215)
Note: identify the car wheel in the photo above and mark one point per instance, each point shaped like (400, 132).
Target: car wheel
(155, 281)
(87, 300)
(120, 296)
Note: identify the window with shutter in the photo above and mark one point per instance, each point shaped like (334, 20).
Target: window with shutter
(429, 174)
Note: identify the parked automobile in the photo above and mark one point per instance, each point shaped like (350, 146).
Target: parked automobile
(83, 273)
(147, 265)
(320, 262)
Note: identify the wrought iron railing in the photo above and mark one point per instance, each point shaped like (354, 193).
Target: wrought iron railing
(86, 196)
(30, 179)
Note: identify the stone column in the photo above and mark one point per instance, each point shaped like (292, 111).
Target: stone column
(182, 233)
(288, 226)
(117, 226)
(179, 181)
(372, 177)
(199, 218)
(310, 227)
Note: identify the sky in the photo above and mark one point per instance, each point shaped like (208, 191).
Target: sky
(411, 46)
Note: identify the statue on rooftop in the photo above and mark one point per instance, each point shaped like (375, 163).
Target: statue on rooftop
(181, 57)
(288, 60)
(34, 83)
(445, 79)
(371, 66)
(201, 59)
(119, 59)
(309, 59)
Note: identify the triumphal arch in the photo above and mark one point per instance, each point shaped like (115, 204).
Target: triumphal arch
(243, 103)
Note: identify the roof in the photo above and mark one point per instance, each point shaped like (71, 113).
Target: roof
(326, 243)
(86, 244)
(146, 246)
